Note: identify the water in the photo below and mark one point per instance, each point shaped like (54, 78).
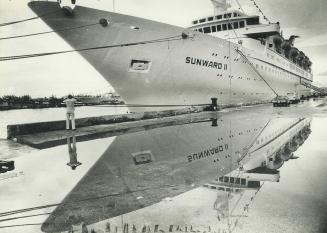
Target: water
(51, 114)
(12, 149)
(168, 178)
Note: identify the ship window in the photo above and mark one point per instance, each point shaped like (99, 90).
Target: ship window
(226, 179)
(230, 26)
(202, 20)
(218, 28)
(195, 22)
(225, 16)
(238, 181)
(232, 179)
(242, 24)
(206, 30)
(219, 17)
(243, 181)
(252, 21)
(210, 18)
(235, 15)
(270, 45)
(235, 25)
(213, 28)
(221, 179)
(224, 27)
(200, 30)
(229, 15)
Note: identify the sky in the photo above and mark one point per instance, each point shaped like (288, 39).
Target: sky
(70, 73)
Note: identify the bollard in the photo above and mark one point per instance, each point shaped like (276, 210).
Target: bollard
(214, 104)
(214, 122)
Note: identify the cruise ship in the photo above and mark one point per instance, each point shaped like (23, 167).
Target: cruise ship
(229, 55)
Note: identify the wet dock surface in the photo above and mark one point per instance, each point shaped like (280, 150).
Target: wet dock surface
(253, 169)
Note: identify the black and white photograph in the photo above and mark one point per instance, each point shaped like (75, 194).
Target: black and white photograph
(163, 116)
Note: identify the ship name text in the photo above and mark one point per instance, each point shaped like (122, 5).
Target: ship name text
(203, 62)
(207, 153)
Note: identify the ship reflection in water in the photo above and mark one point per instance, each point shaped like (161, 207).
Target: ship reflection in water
(203, 176)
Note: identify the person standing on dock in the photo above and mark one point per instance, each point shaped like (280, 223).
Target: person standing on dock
(70, 114)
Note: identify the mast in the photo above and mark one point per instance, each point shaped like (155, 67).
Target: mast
(220, 6)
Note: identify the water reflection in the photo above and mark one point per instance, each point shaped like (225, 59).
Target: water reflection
(145, 174)
(72, 151)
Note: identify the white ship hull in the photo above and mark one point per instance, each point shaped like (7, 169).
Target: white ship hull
(187, 71)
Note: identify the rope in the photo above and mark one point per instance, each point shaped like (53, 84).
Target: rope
(240, 7)
(160, 40)
(261, 12)
(28, 19)
(21, 225)
(12, 212)
(42, 33)
(256, 71)
(25, 216)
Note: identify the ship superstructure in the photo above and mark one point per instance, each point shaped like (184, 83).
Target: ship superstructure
(268, 50)
(228, 56)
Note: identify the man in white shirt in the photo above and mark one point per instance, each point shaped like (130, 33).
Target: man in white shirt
(70, 114)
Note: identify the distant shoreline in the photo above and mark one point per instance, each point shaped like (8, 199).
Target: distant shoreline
(18, 107)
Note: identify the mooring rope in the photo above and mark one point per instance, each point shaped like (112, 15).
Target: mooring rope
(256, 71)
(28, 19)
(47, 32)
(160, 40)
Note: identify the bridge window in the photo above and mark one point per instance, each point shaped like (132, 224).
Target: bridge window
(235, 25)
(226, 179)
(195, 22)
(242, 24)
(243, 181)
(252, 21)
(213, 28)
(219, 17)
(230, 26)
(235, 14)
(202, 20)
(200, 30)
(218, 28)
(229, 15)
(210, 18)
(206, 30)
(224, 27)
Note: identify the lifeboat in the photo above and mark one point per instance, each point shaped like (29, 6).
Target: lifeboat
(309, 64)
(300, 58)
(299, 140)
(286, 153)
(306, 62)
(294, 52)
(277, 162)
(278, 40)
(286, 46)
(293, 145)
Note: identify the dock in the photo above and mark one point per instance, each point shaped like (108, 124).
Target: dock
(44, 135)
